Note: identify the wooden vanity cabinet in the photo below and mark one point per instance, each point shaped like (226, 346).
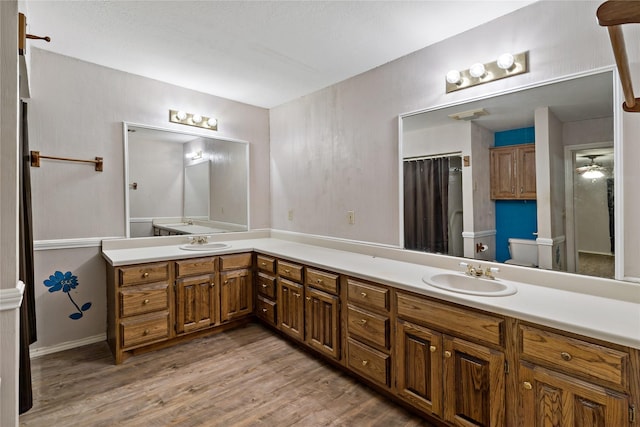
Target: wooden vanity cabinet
(266, 289)
(322, 312)
(290, 307)
(566, 381)
(513, 172)
(196, 294)
(236, 286)
(449, 361)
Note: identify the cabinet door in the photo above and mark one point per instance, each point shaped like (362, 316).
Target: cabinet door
(503, 185)
(526, 172)
(419, 366)
(291, 308)
(323, 322)
(474, 384)
(550, 399)
(195, 303)
(236, 297)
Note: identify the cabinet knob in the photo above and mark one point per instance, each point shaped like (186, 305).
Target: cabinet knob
(521, 190)
(146, 332)
(264, 285)
(264, 264)
(308, 298)
(264, 310)
(432, 348)
(145, 274)
(287, 271)
(447, 354)
(226, 282)
(319, 281)
(364, 294)
(145, 301)
(527, 385)
(297, 295)
(566, 356)
(363, 321)
(365, 362)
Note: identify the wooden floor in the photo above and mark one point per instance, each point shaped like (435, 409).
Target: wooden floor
(246, 377)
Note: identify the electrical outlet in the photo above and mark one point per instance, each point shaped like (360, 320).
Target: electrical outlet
(290, 214)
(351, 216)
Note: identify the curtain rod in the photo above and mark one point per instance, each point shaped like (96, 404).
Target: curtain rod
(433, 156)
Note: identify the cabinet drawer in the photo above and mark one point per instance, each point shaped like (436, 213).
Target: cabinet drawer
(233, 262)
(322, 280)
(444, 317)
(574, 355)
(144, 299)
(266, 263)
(266, 285)
(141, 331)
(290, 271)
(193, 267)
(144, 273)
(371, 363)
(368, 294)
(266, 309)
(368, 326)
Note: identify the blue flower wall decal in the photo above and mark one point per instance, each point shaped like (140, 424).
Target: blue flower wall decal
(66, 282)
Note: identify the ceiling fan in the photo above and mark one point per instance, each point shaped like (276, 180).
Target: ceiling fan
(592, 170)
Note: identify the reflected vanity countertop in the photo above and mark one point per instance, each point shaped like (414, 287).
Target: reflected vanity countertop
(614, 318)
(190, 228)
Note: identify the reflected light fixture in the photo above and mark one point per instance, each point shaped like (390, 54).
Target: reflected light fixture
(592, 170)
(189, 119)
(507, 65)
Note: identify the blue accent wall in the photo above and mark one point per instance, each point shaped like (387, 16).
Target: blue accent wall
(514, 218)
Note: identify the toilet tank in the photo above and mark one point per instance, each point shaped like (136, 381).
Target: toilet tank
(524, 250)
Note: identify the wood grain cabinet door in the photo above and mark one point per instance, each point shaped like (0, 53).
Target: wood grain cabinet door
(419, 366)
(291, 308)
(474, 384)
(526, 172)
(196, 306)
(236, 294)
(323, 322)
(551, 399)
(503, 177)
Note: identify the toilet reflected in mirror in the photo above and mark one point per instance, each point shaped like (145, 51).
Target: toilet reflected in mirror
(523, 252)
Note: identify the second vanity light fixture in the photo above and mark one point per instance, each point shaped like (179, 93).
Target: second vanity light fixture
(506, 65)
(177, 116)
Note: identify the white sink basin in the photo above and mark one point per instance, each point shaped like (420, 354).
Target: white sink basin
(213, 246)
(461, 283)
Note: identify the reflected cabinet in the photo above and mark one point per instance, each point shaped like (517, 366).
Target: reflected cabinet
(513, 172)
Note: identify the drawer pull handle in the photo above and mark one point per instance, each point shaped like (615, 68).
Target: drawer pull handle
(226, 282)
(287, 271)
(264, 310)
(146, 332)
(527, 385)
(297, 295)
(145, 274)
(432, 348)
(264, 264)
(364, 294)
(264, 285)
(363, 321)
(145, 301)
(319, 281)
(447, 354)
(365, 362)
(308, 298)
(566, 356)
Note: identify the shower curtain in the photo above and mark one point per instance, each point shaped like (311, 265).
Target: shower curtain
(426, 184)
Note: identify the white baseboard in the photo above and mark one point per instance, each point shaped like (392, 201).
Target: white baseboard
(41, 351)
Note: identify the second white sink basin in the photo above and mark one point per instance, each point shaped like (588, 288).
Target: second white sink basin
(212, 246)
(461, 283)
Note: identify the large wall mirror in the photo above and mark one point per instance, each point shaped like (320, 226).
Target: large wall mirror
(525, 178)
(184, 183)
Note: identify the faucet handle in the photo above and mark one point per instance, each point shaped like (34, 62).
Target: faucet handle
(489, 272)
(469, 268)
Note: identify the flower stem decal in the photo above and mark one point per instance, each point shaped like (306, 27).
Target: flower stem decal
(66, 282)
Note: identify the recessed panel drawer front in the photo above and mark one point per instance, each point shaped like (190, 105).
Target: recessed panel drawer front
(322, 280)
(236, 261)
(368, 326)
(369, 362)
(445, 317)
(290, 271)
(144, 299)
(144, 273)
(138, 331)
(266, 285)
(193, 267)
(575, 356)
(368, 294)
(266, 263)
(266, 309)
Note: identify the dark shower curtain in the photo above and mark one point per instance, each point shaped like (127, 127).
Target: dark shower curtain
(610, 207)
(426, 200)
(28, 307)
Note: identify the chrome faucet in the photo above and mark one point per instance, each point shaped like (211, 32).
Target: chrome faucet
(478, 271)
(199, 240)
(189, 222)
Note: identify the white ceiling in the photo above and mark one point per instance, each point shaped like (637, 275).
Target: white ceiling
(262, 53)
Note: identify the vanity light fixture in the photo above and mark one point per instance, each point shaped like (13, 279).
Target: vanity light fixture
(506, 65)
(197, 120)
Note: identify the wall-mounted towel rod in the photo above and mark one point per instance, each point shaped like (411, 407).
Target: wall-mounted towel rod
(612, 14)
(23, 36)
(36, 156)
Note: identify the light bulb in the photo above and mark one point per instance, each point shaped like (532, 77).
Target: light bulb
(212, 122)
(181, 115)
(593, 174)
(505, 61)
(196, 118)
(477, 70)
(454, 77)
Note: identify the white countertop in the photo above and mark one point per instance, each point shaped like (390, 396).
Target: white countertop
(610, 319)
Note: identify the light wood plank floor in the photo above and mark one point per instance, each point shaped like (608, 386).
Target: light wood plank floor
(244, 377)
